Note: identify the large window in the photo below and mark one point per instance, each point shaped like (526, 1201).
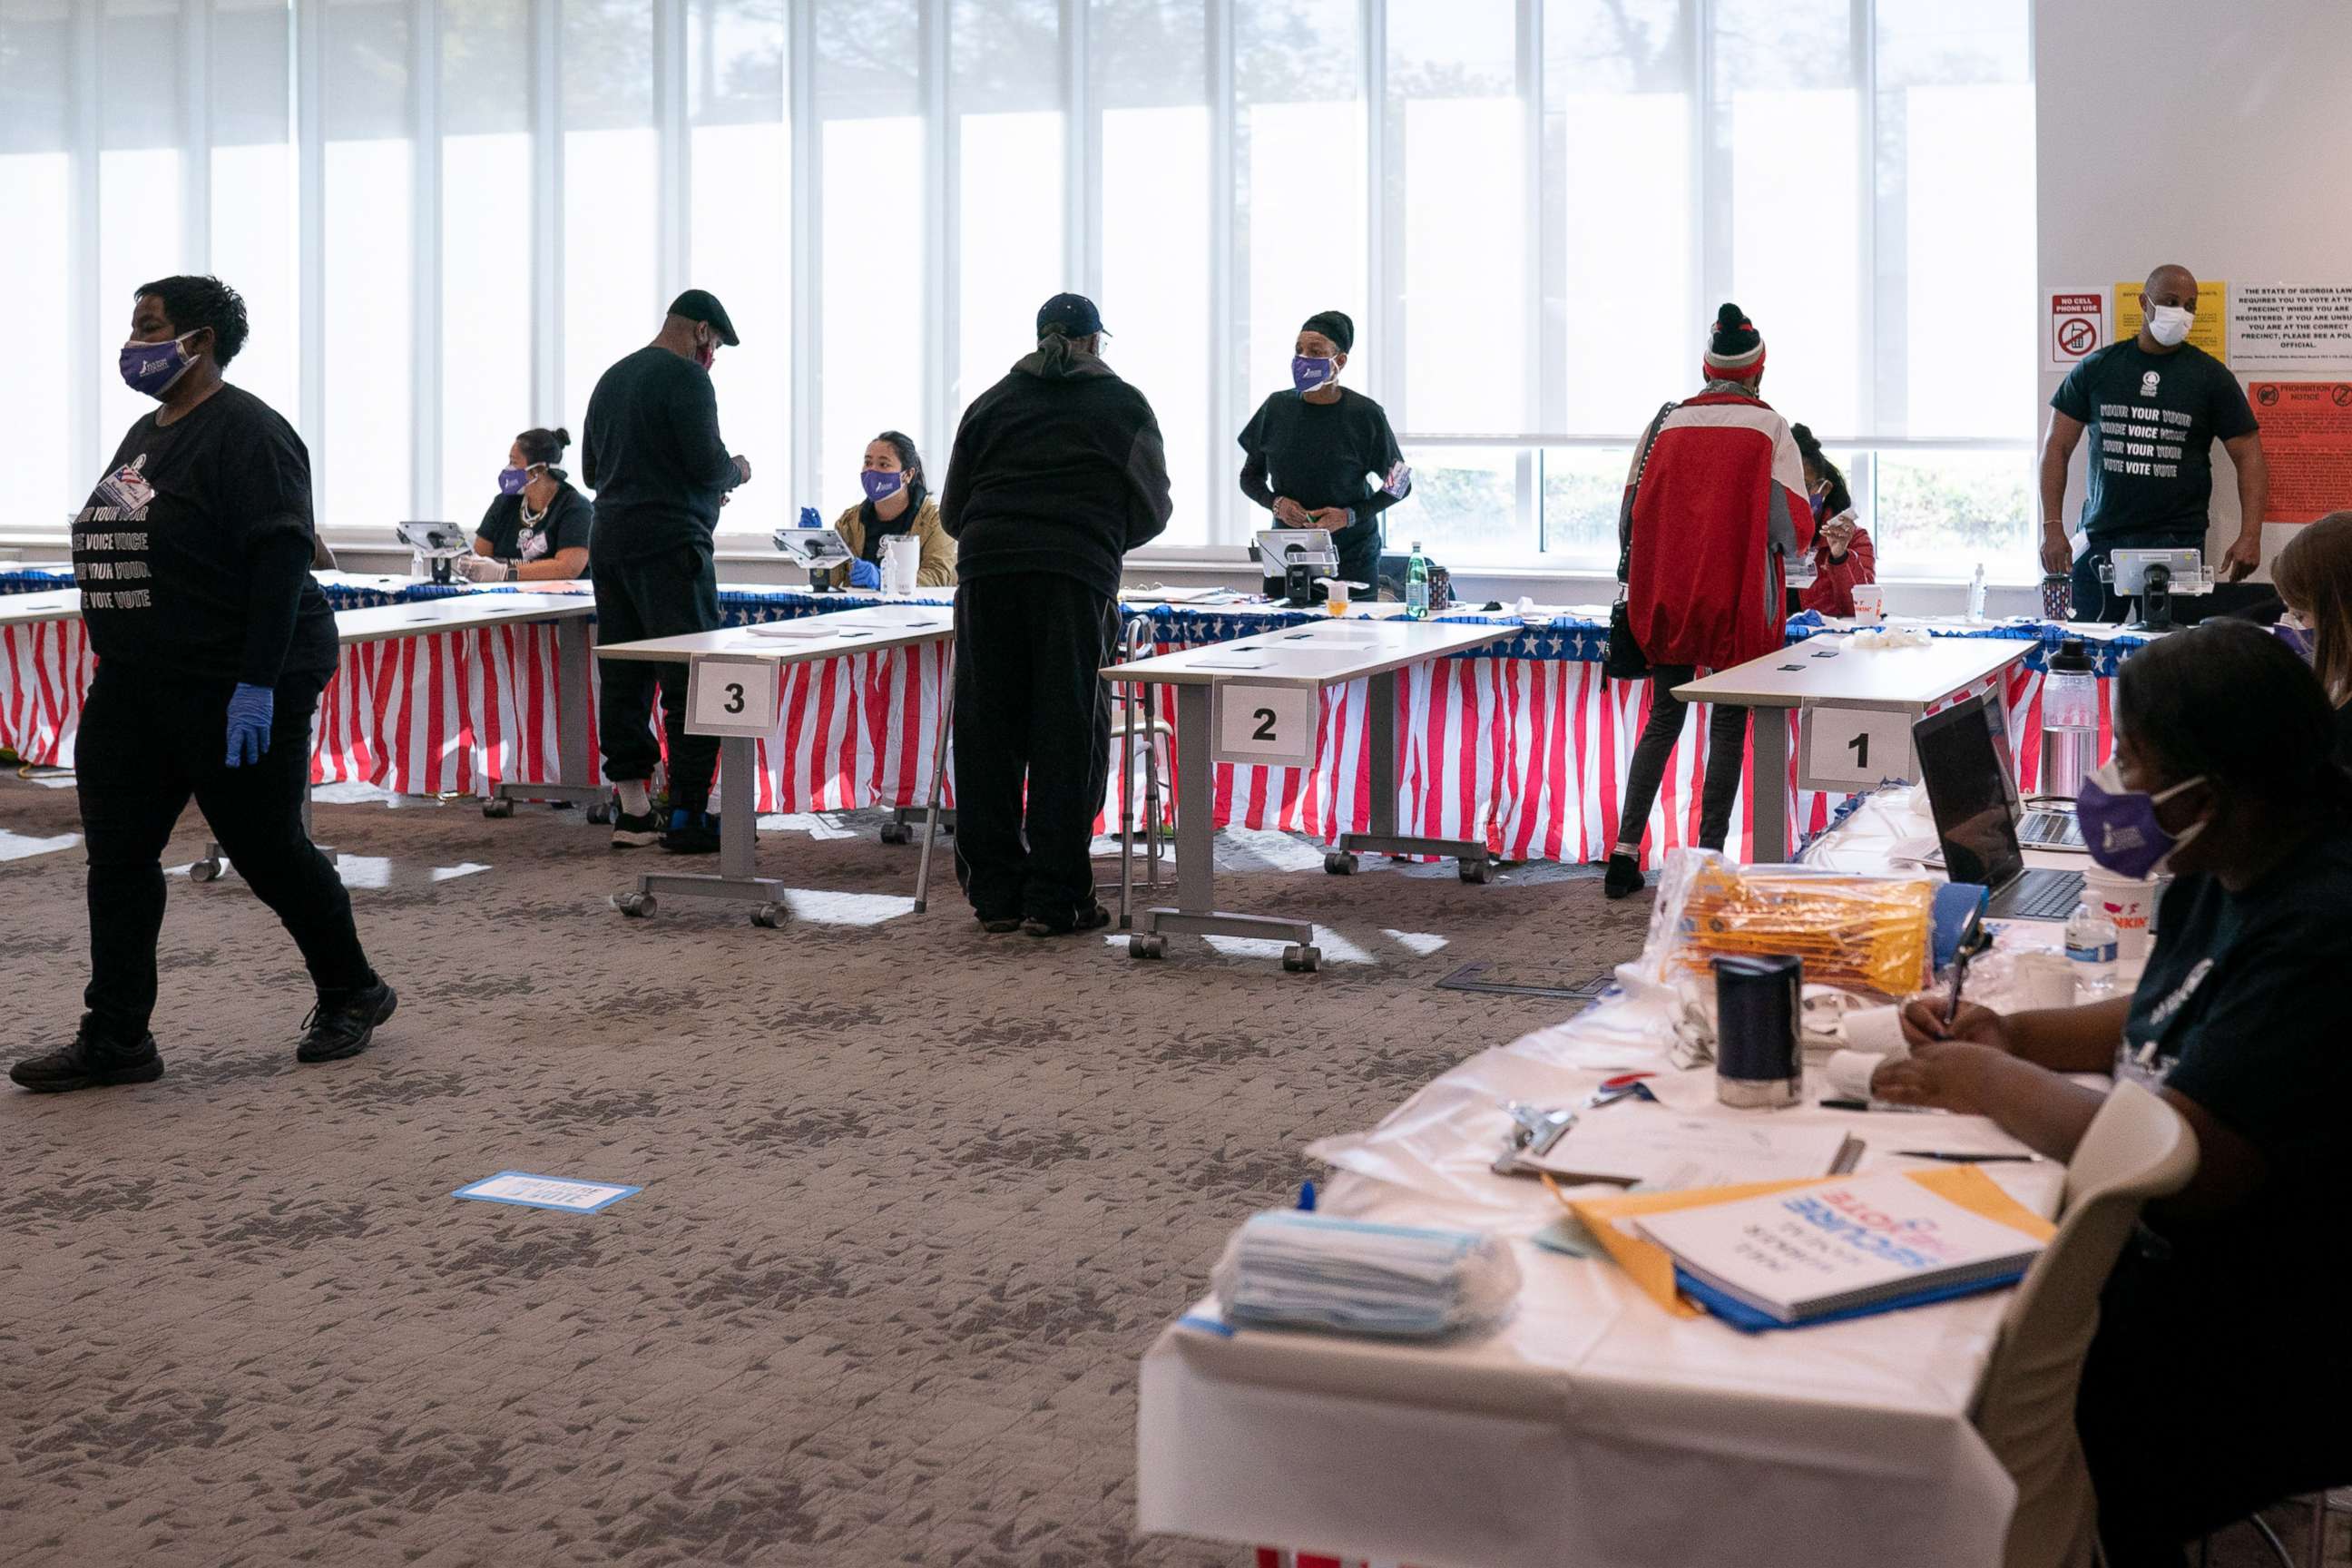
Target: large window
(451, 217)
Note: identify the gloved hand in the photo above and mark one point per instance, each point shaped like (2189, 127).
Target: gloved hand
(481, 569)
(809, 518)
(249, 711)
(865, 574)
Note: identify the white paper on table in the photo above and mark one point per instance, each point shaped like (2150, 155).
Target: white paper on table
(811, 628)
(1666, 1148)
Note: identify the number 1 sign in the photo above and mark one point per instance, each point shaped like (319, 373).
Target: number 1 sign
(1850, 749)
(731, 697)
(1267, 726)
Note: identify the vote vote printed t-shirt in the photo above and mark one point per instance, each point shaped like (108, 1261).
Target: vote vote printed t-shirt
(2238, 1010)
(188, 539)
(2153, 420)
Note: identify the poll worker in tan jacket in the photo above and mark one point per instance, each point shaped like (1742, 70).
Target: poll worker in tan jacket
(896, 501)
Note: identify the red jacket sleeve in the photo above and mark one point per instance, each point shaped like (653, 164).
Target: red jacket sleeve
(1834, 582)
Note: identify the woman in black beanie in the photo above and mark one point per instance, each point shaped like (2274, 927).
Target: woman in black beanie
(1321, 456)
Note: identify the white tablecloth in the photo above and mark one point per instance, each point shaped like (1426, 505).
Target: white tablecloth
(1594, 1428)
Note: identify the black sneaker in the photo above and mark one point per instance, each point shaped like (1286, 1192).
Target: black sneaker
(1093, 918)
(89, 1063)
(635, 832)
(998, 925)
(691, 832)
(1623, 878)
(340, 1025)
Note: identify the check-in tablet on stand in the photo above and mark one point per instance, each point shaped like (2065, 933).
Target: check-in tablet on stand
(1297, 557)
(437, 544)
(820, 550)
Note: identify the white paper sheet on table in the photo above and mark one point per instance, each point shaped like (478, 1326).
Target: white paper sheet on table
(1660, 1147)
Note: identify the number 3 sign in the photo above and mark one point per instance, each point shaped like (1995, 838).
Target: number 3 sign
(1850, 749)
(731, 697)
(1267, 726)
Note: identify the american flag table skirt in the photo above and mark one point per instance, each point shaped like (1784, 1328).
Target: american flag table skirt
(1525, 747)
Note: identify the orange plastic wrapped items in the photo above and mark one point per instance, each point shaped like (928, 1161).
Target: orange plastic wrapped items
(1860, 933)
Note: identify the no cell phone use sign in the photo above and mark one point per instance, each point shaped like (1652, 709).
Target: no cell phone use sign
(2077, 326)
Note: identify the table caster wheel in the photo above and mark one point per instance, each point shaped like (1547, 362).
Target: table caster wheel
(1480, 871)
(1147, 945)
(204, 871)
(898, 833)
(1341, 863)
(601, 813)
(1299, 959)
(770, 916)
(498, 806)
(637, 906)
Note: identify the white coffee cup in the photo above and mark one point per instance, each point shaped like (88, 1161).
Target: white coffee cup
(2127, 900)
(902, 563)
(1869, 602)
(2045, 980)
(1878, 1030)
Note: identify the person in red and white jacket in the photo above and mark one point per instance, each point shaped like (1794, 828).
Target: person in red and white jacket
(1843, 559)
(1714, 508)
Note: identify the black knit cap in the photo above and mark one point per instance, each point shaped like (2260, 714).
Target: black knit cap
(1735, 349)
(1334, 325)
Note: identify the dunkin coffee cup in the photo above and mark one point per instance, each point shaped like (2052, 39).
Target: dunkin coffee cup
(2128, 901)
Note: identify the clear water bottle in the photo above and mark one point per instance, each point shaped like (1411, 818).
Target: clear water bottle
(1977, 595)
(2070, 721)
(1416, 584)
(2091, 946)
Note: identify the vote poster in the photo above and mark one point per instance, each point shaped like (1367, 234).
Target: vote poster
(2209, 331)
(2292, 327)
(2307, 437)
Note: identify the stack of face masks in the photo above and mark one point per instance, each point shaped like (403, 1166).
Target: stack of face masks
(1305, 1270)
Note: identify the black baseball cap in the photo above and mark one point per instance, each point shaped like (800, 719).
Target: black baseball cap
(702, 305)
(1073, 314)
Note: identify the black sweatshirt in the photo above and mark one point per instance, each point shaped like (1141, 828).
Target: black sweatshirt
(1057, 469)
(193, 554)
(650, 449)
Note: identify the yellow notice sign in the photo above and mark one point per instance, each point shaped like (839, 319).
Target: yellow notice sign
(2211, 330)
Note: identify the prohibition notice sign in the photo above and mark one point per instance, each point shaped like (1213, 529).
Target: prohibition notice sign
(2078, 326)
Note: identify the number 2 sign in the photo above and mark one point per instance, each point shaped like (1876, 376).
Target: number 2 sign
(1268, 726)
(731, 697)
(1850, 749)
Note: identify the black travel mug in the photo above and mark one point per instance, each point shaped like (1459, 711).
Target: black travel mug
(1758, 1006)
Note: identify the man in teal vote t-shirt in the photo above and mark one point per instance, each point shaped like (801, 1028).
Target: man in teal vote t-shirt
(2154, 406)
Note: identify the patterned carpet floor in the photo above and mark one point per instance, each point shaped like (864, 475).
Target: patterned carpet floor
(915, 1200)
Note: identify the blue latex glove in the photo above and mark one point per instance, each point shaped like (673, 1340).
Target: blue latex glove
(249, 709)
(865, 574)
(809, 518)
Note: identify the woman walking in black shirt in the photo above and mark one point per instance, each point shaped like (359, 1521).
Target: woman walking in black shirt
(1311, 454)
(213, 643)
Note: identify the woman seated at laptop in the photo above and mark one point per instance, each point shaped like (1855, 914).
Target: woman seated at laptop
(2221, 1374)
(2314, 574)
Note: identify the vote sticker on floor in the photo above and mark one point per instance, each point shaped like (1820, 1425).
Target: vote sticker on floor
(524, 1190)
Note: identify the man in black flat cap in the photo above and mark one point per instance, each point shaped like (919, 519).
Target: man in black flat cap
(652, 453)
(1058, 471)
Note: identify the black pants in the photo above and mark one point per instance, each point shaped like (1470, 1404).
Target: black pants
(2096, 601)
(661, 595)
(1726, 737)
(1030, 707)
(2194, 1414)
(145, 747)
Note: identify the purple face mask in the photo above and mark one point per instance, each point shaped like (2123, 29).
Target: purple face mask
(152, 368)
(2120, 826)
(511, 481)
(881, 484)
(1307, 373)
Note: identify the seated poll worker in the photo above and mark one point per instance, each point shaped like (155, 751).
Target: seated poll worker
(1058, 471)
(653, 454)
(194, 558)
(2221, 1374)
(1714, 509)
(897, 502)
(2154, 405)
(1321, 456)
(537, 531)
(1843, 559)
(2314, 574)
